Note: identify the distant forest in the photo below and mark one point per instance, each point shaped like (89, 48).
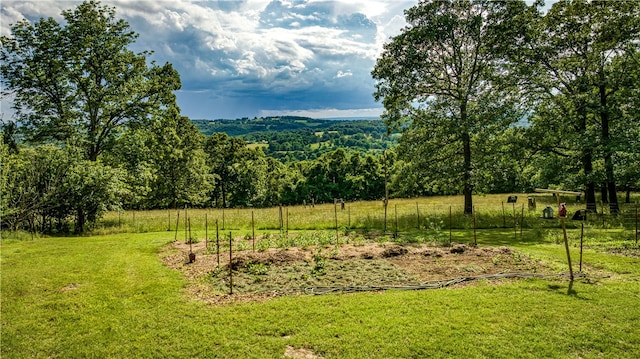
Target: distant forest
(294, 138)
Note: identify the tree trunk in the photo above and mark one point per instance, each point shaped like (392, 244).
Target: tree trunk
(590, 188)
(608, 156)
(587, 163)
(603, 193)
(80, 220)
(614, 207)
(466, 176)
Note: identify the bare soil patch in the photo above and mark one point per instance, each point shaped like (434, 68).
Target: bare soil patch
(300, 353)
(260, 275)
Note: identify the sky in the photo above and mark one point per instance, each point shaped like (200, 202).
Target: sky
(254, 58)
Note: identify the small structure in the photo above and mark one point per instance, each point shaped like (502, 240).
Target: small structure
(531, 201)
(547, 213)
(512, 199)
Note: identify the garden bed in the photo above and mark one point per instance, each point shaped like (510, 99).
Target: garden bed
(263, 274)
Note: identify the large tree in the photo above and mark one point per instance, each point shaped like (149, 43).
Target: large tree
(79, 83)
(578, 56)
(444, 76)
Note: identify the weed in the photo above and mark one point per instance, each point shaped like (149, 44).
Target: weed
(243, 246)
(319, 261)
(257, 268)
(495, 260)
(516, 257)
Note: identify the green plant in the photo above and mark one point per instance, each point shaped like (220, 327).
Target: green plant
(256, 268)
(495, 260)
(319, 261)
(194, 238)
(243, 246)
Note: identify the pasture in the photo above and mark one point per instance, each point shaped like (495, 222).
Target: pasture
(127, 290)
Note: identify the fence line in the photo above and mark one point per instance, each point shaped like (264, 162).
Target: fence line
(409, 215)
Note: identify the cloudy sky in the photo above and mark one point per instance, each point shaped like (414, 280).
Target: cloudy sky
(255, 57)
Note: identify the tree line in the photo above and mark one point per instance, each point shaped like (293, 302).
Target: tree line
(462, 73)
(490, 97)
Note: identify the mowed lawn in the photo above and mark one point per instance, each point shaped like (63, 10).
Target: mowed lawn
(111, 297)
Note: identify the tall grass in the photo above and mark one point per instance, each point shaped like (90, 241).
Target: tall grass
(402, 215)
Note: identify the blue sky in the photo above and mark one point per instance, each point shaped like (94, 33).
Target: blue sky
(256, 57)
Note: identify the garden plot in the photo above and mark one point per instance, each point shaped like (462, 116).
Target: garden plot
(257, 275)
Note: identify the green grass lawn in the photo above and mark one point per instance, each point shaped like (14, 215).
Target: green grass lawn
(110, 296)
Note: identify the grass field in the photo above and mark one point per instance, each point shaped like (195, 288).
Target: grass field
(108, 295)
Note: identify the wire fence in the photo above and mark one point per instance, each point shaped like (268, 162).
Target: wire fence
(396, 218)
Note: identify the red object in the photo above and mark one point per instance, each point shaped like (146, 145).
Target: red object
(562, 211)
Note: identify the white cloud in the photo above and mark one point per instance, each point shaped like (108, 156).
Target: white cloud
(341, 74)
(236, 46)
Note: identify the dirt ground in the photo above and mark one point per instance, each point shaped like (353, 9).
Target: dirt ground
(260, 275)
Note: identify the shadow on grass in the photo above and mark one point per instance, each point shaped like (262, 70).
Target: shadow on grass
(559, 289)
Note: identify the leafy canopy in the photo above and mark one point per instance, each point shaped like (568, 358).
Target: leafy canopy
(79, 83)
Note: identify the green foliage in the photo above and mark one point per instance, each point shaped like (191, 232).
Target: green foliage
(78, 82)
(578, 58)
(257, 268)
(319, 260)
(45, 184)
(490, 97)
(444, 79)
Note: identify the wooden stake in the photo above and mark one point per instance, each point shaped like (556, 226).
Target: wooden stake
(218, 242)
(450, 223)
(581, 237)
(190, 246)
(395, 210)
(335, 216)
(230, 264)
(386, 189)
(253, 232)
(206, 230)
(186, 227)
(418, 214)
(521, 221)
(636, 224)
(566, 247)
(175, 238)
(169, 221)
(515, 223)
(475, 239)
